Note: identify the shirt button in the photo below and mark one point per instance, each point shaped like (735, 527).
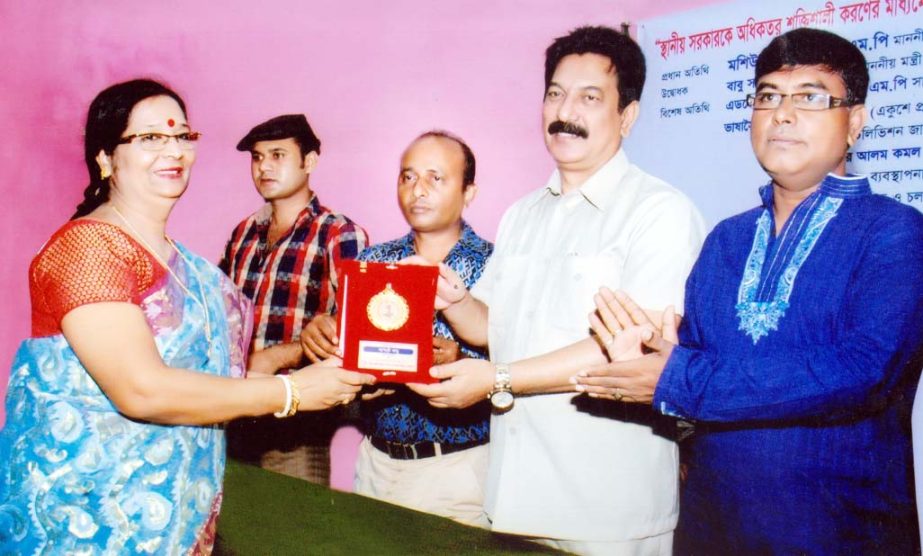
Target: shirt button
(578, 277)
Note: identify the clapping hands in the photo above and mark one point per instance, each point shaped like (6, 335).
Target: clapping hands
(637, 347)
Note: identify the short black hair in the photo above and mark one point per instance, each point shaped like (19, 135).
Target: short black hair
(468, 174)
(813, 47)
(624, 53)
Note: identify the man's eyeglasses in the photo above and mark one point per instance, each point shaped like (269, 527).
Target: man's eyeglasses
(157, 141)
(801, 101)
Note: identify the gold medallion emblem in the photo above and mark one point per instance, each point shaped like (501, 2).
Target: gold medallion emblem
(387, 310)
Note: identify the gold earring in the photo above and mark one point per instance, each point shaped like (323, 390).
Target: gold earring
(104, 173)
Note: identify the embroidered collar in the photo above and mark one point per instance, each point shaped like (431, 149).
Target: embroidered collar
(843, 187)
(774, 262)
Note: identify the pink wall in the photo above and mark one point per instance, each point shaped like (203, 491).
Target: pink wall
(369, 75)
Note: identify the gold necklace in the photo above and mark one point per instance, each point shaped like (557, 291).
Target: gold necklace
(199, 302)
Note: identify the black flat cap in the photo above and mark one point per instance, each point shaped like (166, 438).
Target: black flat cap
(295, 126)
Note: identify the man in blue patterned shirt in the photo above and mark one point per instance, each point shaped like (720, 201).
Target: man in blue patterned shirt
(414, 455)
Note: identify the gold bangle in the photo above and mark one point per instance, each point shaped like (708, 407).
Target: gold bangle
(295, 399)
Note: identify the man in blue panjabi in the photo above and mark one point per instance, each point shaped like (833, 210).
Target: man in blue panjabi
(801, 345)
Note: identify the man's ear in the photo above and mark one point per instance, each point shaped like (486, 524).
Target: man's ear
(629, 117)
(858, 115)
(470, 192)
(310, 162)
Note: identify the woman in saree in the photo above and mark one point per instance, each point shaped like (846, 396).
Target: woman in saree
(113, 441)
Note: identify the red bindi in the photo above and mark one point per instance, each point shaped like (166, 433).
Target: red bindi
(170, 122)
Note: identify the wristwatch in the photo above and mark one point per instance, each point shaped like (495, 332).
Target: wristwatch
(501, 396)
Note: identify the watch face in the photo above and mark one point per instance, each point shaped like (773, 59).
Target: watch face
(502, 399)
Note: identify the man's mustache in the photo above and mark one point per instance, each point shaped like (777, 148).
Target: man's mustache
(570, 128)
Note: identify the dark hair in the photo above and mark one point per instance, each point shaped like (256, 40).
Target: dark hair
(106, 122)
(624, 53)
(307, 146)
(468, 174)
(813, 47)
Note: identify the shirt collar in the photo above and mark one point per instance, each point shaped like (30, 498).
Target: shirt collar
(310, 210)
(843, 187)
(600, 189)
(466, 240)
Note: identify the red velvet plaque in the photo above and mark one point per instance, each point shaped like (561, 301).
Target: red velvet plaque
(386, 319)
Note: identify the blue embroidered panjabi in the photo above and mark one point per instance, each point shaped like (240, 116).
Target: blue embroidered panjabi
(799, 355)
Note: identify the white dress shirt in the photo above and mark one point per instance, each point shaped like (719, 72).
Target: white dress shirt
(557, 471)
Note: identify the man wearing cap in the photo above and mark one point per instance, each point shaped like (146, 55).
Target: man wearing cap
(284, 257)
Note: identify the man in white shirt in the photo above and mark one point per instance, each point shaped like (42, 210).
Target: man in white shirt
(582, 475)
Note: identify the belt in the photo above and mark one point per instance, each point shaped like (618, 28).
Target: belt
(420, 450)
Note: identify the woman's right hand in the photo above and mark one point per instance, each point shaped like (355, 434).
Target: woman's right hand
(324, 385)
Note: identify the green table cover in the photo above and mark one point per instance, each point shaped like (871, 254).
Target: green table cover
(268, 513)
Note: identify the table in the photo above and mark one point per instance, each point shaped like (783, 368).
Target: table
(268, 513)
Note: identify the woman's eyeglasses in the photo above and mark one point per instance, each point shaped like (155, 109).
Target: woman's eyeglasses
(157, 141)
